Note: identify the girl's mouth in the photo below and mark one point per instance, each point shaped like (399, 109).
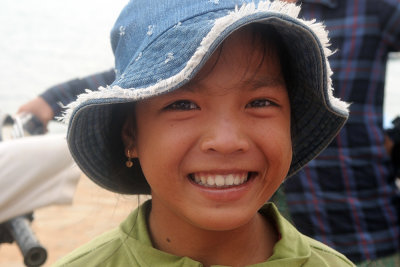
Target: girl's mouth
(221, 180)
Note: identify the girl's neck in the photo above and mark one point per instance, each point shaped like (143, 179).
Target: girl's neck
(248, 244)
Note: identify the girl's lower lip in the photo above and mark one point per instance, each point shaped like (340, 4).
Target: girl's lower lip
(224, 194)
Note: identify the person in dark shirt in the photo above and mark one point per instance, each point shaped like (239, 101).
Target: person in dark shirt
(347, 197)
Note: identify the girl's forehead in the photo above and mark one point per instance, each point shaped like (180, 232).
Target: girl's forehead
(240, 61)
(249, 84)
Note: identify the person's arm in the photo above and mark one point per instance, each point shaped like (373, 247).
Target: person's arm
(48, 105)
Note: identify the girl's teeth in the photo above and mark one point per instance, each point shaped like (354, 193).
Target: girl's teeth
(229, 180)
(220, 180)
(210, 181)
(236, 180)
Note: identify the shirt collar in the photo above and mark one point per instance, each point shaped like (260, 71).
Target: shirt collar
(292, 249)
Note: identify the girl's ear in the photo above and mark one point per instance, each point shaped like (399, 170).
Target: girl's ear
(129, 138)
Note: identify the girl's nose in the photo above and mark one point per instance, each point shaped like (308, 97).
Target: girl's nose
(225, 136)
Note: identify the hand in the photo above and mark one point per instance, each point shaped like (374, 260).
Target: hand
(38, 107)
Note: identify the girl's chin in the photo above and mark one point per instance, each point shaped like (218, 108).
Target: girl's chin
(223, 218)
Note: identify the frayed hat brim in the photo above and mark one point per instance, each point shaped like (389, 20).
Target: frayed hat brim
(318, 115)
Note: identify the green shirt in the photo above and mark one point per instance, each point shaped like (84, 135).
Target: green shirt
(130, 245)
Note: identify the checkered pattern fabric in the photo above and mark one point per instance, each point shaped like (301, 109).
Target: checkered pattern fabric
(346, 197)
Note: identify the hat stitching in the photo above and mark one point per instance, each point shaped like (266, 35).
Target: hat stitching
(215, 2)
(150, 30)
(168, 57)
(122, 30)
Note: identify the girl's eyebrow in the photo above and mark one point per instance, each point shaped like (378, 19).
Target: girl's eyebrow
(189, 87)
(250, 84)
(264, 81)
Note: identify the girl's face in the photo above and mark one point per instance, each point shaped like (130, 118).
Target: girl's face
(215, 150)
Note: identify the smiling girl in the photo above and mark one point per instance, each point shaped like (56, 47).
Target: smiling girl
(214, 105)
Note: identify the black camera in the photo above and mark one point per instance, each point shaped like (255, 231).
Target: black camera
(18, 229)
(19, 126)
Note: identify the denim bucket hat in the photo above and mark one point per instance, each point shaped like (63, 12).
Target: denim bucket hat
(160, 45)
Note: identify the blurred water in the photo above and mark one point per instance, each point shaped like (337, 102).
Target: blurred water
(44, 42)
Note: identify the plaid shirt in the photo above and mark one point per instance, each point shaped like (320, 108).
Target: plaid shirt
(346, 197)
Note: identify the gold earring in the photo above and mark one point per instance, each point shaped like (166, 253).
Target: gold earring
(129, 162)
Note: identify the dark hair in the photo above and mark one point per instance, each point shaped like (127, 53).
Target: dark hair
(271, 42)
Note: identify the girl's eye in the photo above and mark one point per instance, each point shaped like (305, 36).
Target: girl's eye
(182, 105)
(259, 103)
